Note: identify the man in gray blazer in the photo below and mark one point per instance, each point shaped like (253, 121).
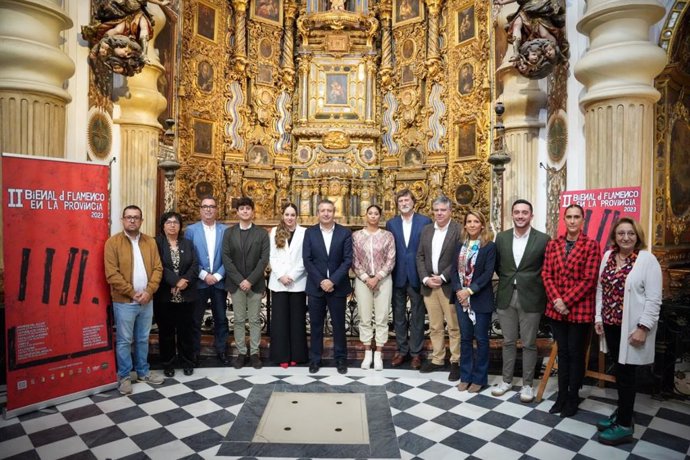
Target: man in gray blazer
(246, 250)
(437, 246)
(520, 298)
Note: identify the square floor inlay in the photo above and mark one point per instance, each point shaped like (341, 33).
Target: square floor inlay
(333, 418)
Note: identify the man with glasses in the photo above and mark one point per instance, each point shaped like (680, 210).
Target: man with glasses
(133, 270)
(207, 237)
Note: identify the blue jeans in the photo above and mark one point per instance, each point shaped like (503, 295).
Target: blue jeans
(474, 368)
(133, 322)
(221, 330)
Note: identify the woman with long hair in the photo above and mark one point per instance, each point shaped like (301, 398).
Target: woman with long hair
(373, 259)
(173, 303)
(628, 299)
(570, 279)
(473, 269)
(287, 283)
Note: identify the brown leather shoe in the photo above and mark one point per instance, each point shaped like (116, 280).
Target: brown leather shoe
(398, 360)
(416, 363)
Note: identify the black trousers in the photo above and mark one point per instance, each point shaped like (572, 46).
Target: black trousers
(175, 329)
(571, 339)
(317, 317)
(625, 377)
(288, 327)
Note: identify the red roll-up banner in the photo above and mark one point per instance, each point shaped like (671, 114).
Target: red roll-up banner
(59, 341)
(603, 207)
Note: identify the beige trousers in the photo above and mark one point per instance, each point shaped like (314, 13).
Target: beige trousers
(438, 308)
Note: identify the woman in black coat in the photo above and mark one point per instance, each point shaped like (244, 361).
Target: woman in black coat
(174, 301)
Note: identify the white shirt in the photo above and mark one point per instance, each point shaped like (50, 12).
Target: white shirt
(139, 277)
(519, 245)
(210, 234)
(407, 229)
(327, 234)
(437, 245)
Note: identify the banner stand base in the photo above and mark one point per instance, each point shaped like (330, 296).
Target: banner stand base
(55, 401)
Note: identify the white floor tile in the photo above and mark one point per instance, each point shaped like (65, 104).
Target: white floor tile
(61, 449)
(43, 423)
(530, 429)
(139, 425)
(433, 431)
(491, 451)
(482, 430)
(158, 406)
(174, 449)
(202, 407)
(186, 428)
(546, 451)
(648, 450)
(86, 425)
(116, 449)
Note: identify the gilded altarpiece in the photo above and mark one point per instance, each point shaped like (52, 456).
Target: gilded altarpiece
(468, 180)
(300, 101)
(671, 231)
(202, 89)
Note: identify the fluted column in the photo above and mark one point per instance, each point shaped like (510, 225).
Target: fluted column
(618, 73)
(33, 70)
(523, 99)
(140, 130)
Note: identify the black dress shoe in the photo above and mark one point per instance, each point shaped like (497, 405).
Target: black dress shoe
(169, 372)
(313, 368)
(341, 365)
(188, 370)
(223, 359)
(454, 375)
(428, 366)
(238, 361)
(557, 406)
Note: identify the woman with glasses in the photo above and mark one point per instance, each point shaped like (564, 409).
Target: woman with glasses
(174, 301)
(287, 282)
(628, 299)
(570, 279)
(473, 269)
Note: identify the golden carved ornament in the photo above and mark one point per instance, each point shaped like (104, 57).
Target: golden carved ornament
(336, 140)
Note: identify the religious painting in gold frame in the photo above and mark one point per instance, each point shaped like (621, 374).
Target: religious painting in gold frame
(206, 21)
(465, 24)
(264, 75)
(407, 77)
(407, 12)
(336, 88)
(202, 142)
(466, 140)
(267, 11)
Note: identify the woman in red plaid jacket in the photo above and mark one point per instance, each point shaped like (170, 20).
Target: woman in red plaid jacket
(570, 272)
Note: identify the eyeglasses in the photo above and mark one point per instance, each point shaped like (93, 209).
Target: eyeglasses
(131, 218)
(209, 206)
(628, 234)
(171, 222)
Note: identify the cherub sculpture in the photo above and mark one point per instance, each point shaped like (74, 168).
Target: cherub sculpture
(119, 36)
(536, 32)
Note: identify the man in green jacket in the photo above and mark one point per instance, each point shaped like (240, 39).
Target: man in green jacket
(520, 298)
(133, 269)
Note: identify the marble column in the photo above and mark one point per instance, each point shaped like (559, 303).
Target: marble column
(618, 73)
(523, 99)
(140, 131)
(33, 70)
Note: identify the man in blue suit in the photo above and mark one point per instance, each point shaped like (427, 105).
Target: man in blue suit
(207, 237)
(327, 254)
(406, 229)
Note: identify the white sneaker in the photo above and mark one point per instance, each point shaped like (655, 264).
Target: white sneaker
(366, 364)
(501, 388)
(527, 394)
(152, 378)
(378, 361)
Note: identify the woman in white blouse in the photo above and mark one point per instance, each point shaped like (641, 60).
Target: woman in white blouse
(287, 283)
(373, 259)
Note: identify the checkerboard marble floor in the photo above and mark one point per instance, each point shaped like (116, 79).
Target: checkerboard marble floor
(190, 417)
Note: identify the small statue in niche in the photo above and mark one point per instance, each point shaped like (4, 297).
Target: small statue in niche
(536, 32)
(338, 5)
(119, 36)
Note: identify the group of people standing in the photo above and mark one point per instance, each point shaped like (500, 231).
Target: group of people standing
(443, 269)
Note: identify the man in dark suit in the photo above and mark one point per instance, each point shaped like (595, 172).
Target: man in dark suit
(207, 237)
(521, 298)
(406, 229)
(327, 254)
(437, 246)
(245, 256)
